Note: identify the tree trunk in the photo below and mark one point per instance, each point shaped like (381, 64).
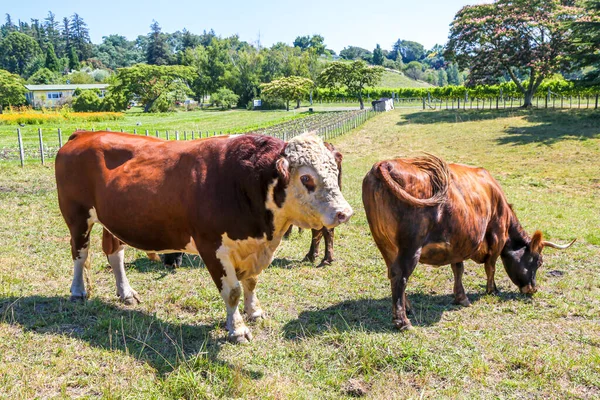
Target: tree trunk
(149, 105)
(362, 104)
(287, 105)
(527, 102)
(297, 103)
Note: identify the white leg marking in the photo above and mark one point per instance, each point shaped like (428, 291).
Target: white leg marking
(251, 304)
(231, 292)
(124, 290)
(78, 286)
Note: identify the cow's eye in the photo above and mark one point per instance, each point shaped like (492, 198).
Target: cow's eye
(308, 182)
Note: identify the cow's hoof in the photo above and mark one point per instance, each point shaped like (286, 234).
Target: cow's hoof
(325, 263)
(255, 315)
(131, 299)
(309, 258)
(75, 298)
(464, 302)
(402, 325)
(242, 335)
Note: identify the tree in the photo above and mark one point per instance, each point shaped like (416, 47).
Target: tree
(73, 59)
(43, 76)
(87, 101)
(586, 33)
(80, 37)
(151, 82)
(512, 37)
(353, 76)
(355, 53)
(16, 51)
(224, 98)
(52, 27)
(442, 78)
(116, 51)
(408, 51)
(378, 55)
(286, 89)
(414, 70)
(454, 77)
(12, 90)
(315, 43)
(158, 51)
(51, 60)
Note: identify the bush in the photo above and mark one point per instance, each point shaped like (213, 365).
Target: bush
(224, 98)
(88, 100)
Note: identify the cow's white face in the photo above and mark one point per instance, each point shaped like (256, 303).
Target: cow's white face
(313, 198)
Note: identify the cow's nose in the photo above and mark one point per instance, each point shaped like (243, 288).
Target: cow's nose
(344, 216)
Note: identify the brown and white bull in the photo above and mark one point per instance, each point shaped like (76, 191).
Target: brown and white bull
(228, 199)
(424, 210)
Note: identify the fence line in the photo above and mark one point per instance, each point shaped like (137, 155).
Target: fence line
(338, 123)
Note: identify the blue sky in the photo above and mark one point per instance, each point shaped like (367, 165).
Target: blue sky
(361, 23)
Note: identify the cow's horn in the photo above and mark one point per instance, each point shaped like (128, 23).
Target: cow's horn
(558, 246)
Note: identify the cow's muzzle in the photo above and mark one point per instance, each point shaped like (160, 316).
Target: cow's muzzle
(344, 215)
(529, 289)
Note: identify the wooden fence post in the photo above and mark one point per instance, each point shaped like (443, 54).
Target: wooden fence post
(59, 138)
(157, 133)
(21, 151)
(146, 132)
(41, 145)
(596, 107)
(176, 135)
(167, 135)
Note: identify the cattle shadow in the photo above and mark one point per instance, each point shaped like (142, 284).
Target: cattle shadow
(458, 116)
(163, 345)
(375, 315)
(145, 265)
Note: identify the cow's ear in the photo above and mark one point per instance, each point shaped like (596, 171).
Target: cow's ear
(283, 170)
(338, 157)
(536, 242)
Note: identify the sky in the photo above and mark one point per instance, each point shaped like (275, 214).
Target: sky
(360, 23)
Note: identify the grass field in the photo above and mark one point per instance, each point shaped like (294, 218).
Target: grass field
(397, 79)
(211, 120)
(329, 332)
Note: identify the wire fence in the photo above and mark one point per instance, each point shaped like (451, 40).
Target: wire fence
(326, 125)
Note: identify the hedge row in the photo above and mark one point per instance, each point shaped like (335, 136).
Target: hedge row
(508, 89)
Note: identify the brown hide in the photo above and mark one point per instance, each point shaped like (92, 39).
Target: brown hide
(423, 210)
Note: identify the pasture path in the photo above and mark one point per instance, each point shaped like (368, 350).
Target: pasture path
(329, 332)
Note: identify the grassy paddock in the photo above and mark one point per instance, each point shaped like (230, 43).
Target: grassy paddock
(212, 120)
(329, 332)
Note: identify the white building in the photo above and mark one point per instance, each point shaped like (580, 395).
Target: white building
(55, 95)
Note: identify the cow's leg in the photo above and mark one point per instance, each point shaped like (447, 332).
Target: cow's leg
(490, 270)
(115, 252)
(400, 270)
(287, 233)
(459, 291)
(251, 304)
(153, 256)
(313, 252)
(80, 228)
(328, 235)
(223, 274)
(173, 260)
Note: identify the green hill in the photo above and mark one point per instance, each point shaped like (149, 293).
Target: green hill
(397, 79)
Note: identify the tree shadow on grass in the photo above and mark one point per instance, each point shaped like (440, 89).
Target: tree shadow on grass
(163, 345)
(550, 125)
(375, 315)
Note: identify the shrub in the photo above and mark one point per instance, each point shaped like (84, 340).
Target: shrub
(224, 98)
(88, 100)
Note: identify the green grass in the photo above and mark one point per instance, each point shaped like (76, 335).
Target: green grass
(329, 332)
(397, 79)
(232, 121)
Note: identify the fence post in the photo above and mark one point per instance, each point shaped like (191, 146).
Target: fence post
(146, 132)
(547, 98)
(59, 138)
(423, 103)
(41, 145)
(167, 135)
(157, 133)
(21, 151)
(596, 107)
(184, 135)
(192, 135)
(176, 135)
(135, 131)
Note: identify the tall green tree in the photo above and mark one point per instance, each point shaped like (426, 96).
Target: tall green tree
(355, 77)
(73, 59)
(80, 37)
(287, 89)
(52, 28)
(12, 91)
(158, 51)
(152, 82)
(16, 51)
(378, 55)
(51, 60)
(528, 40)
(116, 51)
(408, 51)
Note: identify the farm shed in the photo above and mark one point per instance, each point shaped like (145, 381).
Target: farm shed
(383, 104)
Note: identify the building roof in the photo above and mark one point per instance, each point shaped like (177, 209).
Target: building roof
(68, 87)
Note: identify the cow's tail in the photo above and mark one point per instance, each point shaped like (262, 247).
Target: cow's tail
(439, 176)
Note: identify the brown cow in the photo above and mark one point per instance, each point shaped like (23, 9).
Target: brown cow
(228, 199)
(423, 210)
(326, 233)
